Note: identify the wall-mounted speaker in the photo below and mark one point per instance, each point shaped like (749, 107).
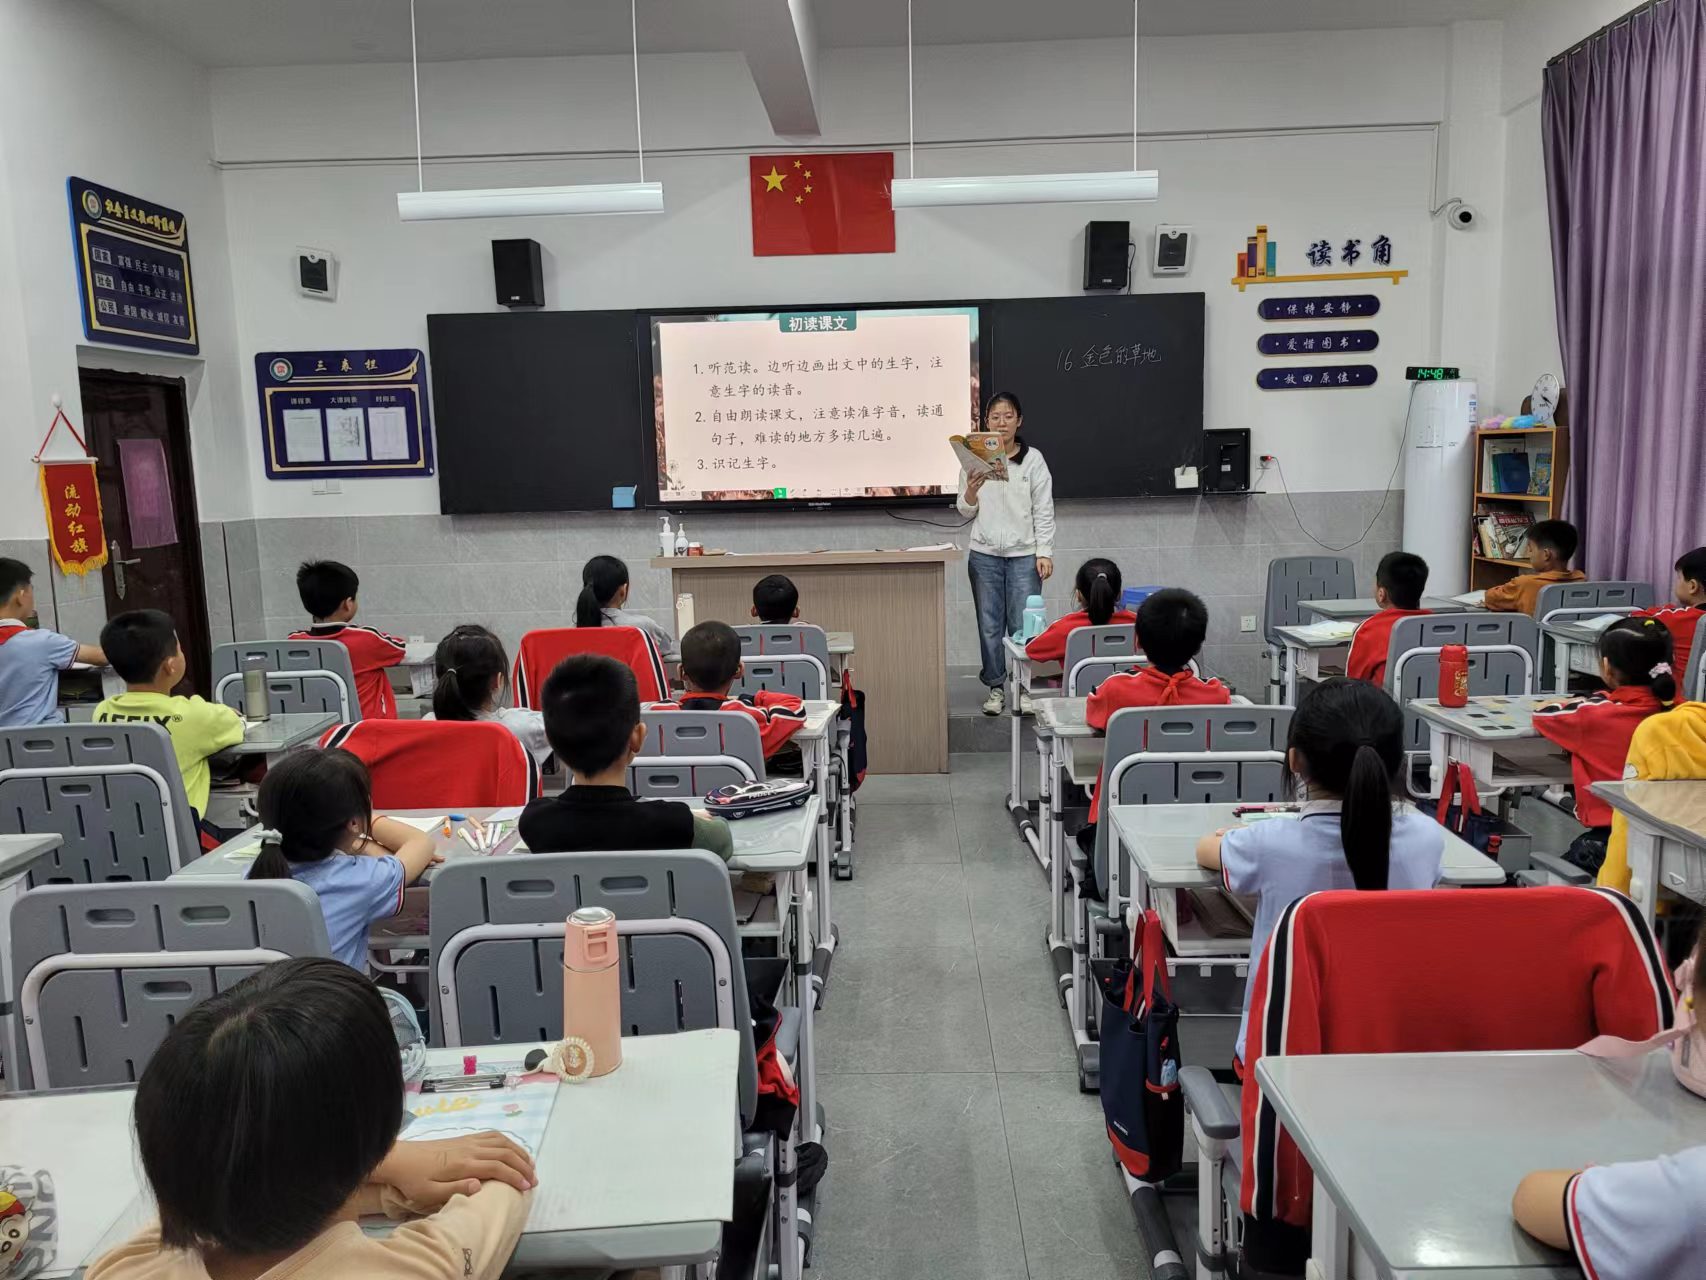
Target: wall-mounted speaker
(1107, 255)
(518, 267)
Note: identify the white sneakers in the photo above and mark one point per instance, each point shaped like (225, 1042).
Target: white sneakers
(996, 702)
(1025, 707)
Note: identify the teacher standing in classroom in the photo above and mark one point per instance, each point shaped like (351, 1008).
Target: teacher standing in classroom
(1012, 542)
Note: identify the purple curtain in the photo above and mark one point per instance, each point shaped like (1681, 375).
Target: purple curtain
(1624, 123)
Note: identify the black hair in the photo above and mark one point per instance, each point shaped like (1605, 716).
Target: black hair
(1690, 566)
(776, 598)
(1351, 737)
(324, 585)
(1557, 536)
(997, 398)
(1636, 648)
(1405, 576)
(591, 704)
(1098, 585)
(464, 665)
(1171, 626)
(222, 1108)
(13, 574)
(601, 579)
(138, 643)
(710, 656)
(306, 802)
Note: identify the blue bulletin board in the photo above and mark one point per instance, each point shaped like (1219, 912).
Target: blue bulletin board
(344, 414)
(133, 267)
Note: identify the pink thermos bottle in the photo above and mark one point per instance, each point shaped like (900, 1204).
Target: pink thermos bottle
(592, 996)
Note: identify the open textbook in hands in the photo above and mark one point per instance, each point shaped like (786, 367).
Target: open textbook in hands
(981, 454)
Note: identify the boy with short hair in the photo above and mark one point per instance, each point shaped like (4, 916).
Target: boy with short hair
(31, 658)
(328, 590)
(142, 646)
(1551, 546)
(591, 706)
(1173, 624)
(1681, 618)
(776, 601)
(1399, 582)
(710, 664)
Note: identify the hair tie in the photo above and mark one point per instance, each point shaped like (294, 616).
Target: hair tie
(450, 671)
(1101, 575)
(1660, 669)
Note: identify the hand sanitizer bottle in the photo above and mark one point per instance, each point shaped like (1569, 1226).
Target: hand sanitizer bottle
(666, 538)
(681, 539)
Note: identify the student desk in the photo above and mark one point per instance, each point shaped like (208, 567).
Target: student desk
(675, 1093)
(1416, 1156)
(1666, 824)
(1027, 678)
(1482, 734)
(1070, 750)
(894, 601)
(18, 854)
(82, 687)
(418, 664)
(1304, 646)
(280, 735)
(1357, 608)
(1575, 648)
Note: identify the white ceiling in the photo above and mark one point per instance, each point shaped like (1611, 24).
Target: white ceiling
(288, 32)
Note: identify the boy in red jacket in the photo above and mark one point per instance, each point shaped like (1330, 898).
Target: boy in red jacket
(710, 663)
(1399, 582)
(1684, 616)
(328, 591)
(1172, 624)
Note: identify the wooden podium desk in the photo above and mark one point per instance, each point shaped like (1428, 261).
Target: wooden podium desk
(894, 603)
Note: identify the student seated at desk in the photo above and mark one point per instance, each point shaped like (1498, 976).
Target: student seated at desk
(1172, 624)
(1096, 591)
(267, 1122)
(1634, 662)
(1399, 582)
(471, 681)
(328, 590)
(1347, 745)
(318, 808)
(1551, 546)
(1666, 747)
(1639, 1220)
(710, 664)
(776, 601)
(31, 658)
(142, 646)
(1684, 616)
(604, 590)
(592, 718)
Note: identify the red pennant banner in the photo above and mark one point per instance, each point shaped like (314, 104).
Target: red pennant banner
(72, 497)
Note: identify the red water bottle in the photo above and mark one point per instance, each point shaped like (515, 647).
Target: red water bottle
(1453, 675)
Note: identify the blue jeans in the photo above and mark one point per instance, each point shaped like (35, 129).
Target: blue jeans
(999, 585)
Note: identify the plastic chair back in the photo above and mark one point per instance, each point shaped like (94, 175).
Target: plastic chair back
(799, 675)
(1086, 676)
(540, 651)
(302, 675)
(688, 753)
(1693, 682)
(438, 764)
(1504, 657)
(1564, 601)
(1294, 578)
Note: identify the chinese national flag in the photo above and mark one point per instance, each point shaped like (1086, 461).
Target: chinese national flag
(822, 204)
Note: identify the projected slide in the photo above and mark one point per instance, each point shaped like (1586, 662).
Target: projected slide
(802, 405)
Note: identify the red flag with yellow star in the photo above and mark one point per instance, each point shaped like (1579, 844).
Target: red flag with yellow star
(822, 204)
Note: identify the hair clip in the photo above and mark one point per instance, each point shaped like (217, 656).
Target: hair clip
(1660, 669)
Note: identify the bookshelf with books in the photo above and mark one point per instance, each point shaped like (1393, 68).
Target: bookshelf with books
(1520, 475)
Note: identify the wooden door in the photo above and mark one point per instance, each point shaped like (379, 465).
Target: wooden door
(138, 430)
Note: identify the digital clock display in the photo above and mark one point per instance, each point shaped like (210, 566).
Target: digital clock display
(1432, 373)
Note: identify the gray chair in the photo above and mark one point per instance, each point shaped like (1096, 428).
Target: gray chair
(103, 971)
(1575, 601)
(1504, 657)
(113, 791)
(1095, 645)
(688, 753)
(1294, 578)
(1088, 674)
(766, 641)
(1693, 681)
(302, 675)
(798, 674)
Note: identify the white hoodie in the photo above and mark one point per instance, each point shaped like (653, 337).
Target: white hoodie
(1015, 516)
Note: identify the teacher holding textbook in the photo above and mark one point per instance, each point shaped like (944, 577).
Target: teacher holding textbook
(1012, 541)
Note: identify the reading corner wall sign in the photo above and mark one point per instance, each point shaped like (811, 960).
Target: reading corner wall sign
(133, 267)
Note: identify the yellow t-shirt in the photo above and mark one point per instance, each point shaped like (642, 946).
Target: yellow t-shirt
(198, 729)
(470, 1238)
(1667, 746)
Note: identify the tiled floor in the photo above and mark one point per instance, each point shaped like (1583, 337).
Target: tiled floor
(959, 1143)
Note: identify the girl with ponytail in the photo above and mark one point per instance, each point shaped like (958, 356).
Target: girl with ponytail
(471, 681)
(1635, 664)
(1347, 749)
(1096, 591)
(317, 808)
(604, 592)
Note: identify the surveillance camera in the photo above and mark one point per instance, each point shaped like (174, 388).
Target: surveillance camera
(1461, 216)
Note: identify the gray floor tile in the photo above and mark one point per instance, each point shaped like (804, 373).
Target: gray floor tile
(1009, 902)
(1072, 1205)
(905, 788)
(988, 833)
(905, 904)
(905, 833)
(919, 1183)
(1027, 1026)
(911, 1008)
(986, 775)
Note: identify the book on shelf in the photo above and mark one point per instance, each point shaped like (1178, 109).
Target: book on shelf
(1503, 535)
(1540, 475)
(1510, 472)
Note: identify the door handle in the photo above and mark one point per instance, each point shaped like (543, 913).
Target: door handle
(119, 563)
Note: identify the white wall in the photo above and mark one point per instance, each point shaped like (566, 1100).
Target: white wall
(1320, 136)
(82, 94)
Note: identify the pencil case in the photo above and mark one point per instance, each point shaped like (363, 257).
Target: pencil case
(745, 799)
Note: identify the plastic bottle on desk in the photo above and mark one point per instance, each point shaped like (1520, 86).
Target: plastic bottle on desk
(255, 703)
(592, 996)
(681, 539)
(1453, 676)
(1036, 618)
(666, 537)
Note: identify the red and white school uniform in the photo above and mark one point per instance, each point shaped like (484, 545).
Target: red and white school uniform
(778, 715)
(1680, 620)
(1148, 687)
(1050, 646)
(370, 652)
(1371, 643)
(1596, 731)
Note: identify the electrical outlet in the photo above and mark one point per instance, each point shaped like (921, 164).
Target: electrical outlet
(1247, 622)
(325, 487)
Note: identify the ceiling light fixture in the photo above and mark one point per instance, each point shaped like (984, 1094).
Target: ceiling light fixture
(1112, 186)
(422, 205)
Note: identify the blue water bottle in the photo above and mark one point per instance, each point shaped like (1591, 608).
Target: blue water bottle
(1036, 618)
